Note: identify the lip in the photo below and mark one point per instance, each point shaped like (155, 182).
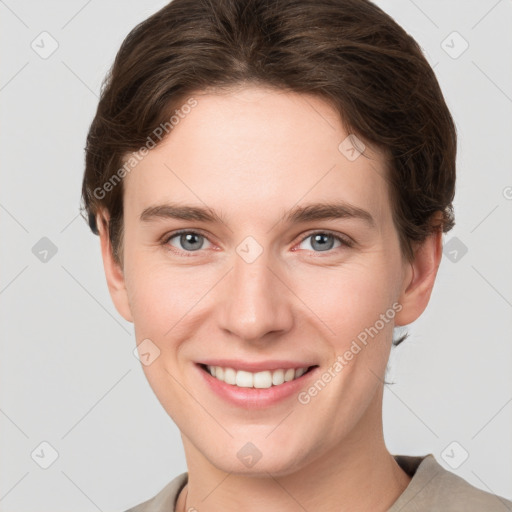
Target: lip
(253, 367)
(255, 398)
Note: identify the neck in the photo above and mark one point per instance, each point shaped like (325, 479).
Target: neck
(356, 475)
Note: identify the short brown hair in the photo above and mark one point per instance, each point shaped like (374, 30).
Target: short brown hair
(347, 52)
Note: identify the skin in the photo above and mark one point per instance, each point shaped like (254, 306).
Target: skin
(252, 154)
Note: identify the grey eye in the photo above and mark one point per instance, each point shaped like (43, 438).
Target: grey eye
(322, 241)
(189, 241)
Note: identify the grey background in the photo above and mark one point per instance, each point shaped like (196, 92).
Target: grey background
(68, 374)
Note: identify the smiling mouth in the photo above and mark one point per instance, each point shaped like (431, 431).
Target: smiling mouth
(259, 380)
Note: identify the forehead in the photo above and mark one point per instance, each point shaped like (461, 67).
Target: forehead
(252, 149)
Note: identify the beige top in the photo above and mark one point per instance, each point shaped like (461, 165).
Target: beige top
(432, 488)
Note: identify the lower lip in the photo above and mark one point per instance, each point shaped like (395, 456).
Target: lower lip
(256, 398)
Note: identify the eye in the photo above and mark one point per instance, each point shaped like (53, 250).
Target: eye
(183, 242)
(322, 241)
(187, 241)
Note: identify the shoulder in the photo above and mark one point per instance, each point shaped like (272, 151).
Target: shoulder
(434, 488)
(165, 499)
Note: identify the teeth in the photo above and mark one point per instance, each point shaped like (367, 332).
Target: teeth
(260, 380)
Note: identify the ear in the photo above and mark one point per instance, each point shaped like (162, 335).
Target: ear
(419, 279)
(113, 271)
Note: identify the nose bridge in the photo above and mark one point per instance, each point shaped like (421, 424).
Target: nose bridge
(256, 302)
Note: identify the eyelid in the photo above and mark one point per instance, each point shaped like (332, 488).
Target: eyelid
(172, 234)
(167, 237)
(344, 239)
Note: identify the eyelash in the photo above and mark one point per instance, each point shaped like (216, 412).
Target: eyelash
(345, 241)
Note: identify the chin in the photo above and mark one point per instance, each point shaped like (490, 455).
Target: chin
(258, 458)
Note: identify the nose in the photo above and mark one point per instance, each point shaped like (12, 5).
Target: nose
(256, 302)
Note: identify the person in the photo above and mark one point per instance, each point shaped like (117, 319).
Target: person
(270, 181)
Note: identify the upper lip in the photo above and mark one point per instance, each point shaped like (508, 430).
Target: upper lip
(254, 366)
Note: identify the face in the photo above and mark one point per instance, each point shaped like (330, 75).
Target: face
(267, 280)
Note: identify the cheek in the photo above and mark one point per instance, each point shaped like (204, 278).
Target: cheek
(348, 298)
(160, 296)
(163, 299)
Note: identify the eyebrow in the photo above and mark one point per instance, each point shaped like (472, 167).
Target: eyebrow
(297, 215)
